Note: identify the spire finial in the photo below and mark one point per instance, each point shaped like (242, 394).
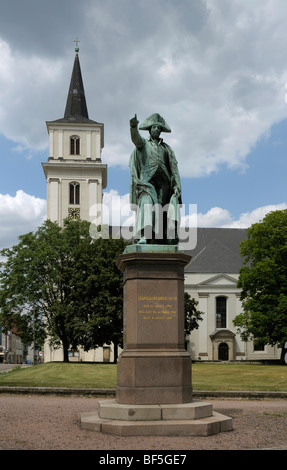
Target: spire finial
(77, 45)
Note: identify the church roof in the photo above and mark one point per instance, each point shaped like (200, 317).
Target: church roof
(76, 105)
(76, 110)
(217, 250)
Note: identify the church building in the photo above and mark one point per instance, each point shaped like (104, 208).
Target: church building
(76, 177)
(211, 279)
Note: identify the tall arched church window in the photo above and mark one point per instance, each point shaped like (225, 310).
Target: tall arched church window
(75, 145)
(74, 193)
(220, 312)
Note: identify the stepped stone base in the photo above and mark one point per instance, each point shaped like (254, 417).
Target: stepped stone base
(188, 419)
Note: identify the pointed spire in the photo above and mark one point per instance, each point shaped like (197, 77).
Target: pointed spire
(76, 106)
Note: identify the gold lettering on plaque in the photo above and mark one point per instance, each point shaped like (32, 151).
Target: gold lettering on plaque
(157, 307)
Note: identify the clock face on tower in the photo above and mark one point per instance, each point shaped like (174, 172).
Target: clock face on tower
(74, 213)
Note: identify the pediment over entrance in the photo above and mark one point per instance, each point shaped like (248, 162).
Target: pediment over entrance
(222, 335)
(222, 344)
(220, 280)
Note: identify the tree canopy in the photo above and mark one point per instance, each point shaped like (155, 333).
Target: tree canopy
(263, 282)
(60, 283)
(192, 315)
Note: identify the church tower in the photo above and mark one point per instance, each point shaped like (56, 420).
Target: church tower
(74, 172)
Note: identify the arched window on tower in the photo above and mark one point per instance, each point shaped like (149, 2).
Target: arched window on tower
(74, 193)
(74, 145)
(220, 312)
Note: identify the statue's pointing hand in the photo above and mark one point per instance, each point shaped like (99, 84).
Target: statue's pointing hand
(134, 121)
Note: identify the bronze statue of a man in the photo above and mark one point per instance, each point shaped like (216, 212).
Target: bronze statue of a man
(155, 192)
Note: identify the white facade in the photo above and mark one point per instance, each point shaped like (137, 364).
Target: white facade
(213, 341)
(203, 343)
(104, 354)
(85, 169)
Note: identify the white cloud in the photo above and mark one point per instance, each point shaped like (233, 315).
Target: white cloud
(116, 209)
(221, 218)
(257, 215)
(215, 217)
(19, 214)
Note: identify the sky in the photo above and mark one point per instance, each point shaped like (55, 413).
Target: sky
(216, 70)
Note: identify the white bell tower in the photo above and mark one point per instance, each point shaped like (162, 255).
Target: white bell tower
(74, 172)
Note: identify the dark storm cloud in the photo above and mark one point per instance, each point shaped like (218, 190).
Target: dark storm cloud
(39, 26)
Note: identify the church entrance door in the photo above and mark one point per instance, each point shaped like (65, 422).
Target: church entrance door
(223, 352)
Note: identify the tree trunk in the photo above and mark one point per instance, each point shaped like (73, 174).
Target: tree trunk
(116, 352)
(65, 353)
(283, 358)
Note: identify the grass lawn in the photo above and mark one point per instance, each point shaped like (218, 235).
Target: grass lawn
(248, 377)
(56, 374)
(205, 376)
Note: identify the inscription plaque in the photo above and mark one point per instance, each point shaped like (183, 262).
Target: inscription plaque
(157, 307)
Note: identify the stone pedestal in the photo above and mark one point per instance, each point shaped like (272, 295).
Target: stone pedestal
(154, 388)
(154, 366)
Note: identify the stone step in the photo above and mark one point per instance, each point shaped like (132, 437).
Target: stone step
(111, 409)
(176, 427)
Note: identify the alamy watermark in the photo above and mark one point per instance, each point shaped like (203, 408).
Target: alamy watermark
(118, 219)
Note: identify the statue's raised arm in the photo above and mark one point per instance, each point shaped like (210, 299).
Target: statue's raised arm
(137, 139)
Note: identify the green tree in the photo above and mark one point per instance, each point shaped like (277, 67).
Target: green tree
(59, 281)
(102, 321)
(192, 315)
(263, 282)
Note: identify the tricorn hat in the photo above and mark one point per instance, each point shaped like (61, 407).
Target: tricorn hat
(154, 119)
